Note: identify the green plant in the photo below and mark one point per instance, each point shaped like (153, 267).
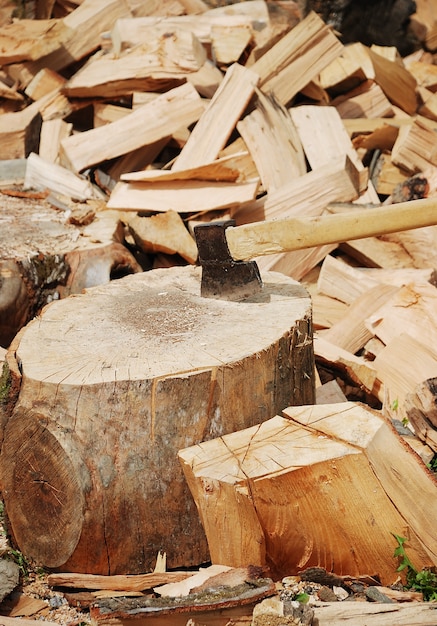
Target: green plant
(21, 561)
(433, 464)
(424, 581)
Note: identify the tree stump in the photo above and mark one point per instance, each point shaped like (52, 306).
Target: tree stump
(102, 390)
(43, 257)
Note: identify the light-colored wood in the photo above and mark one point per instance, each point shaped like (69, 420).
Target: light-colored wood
(401, 366)
(274, 236)
(217, 122)
(348, 70)
(355, 368)
(185, 196)
(42, 175)
(352, 333)
(397, 83)
(410, 310)
(318, 126)
(86, 22)
(229, 43)
(419, 244)
(151, 122)
(424, 23)
(164, 232)
(272, 140)
(420, 408)
(149, 66)
(318, 457)
(170, 369)
(425, 75)
(416, 147)
(376, 252)
(428, 108)
(52, 133)
(297, 58)
(44, 82)
(28, 40)
(19, 132)
(367, 100)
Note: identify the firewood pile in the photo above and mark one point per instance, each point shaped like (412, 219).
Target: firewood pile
(124, 125)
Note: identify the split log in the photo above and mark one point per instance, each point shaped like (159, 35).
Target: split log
(321, 486)
(151, 367)
(20, 132)
(178, 107)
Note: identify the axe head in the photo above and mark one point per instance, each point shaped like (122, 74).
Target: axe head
(222, 277)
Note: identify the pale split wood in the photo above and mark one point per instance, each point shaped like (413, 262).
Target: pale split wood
(165, 57)
(323, 126)
(41, 174)
(184, 196)
(272, 140)
(356, 368)
(28, 40)
(412, 310)
(163, 233)
(297, 58)
(351, 67)
(52, 133)
(378, 252)
(352, 333)
(415, 148)
(44, 82)
(367, 100)
(220, 117)
(19, 132)
(397, 83)
(86, 22)
(229, 43)
(151, 122)
(375, 614)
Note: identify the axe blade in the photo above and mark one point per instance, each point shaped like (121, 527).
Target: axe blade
(222, 277)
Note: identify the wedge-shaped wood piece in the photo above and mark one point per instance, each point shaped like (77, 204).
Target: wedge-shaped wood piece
(219, 119)
(229, 43)
(160, 118)
(164, 232)
(182, 196)
(165, 58)
(424, 23)
(352, 67)
(297, 58)
(324, 485)
(28, 40)
(272, 139)
(20, 132)
(396, 82)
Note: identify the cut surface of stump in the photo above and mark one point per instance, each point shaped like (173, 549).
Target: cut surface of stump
(321, 486)
(111, 384)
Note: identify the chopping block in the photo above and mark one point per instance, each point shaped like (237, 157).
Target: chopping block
(104, 388)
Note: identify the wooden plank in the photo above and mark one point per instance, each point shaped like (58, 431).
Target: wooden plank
(151, 122)
(376, 614)
(219, 119)
(133, 582)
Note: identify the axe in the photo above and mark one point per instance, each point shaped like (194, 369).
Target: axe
(225, 249)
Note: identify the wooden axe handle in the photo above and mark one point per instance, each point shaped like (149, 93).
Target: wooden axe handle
(285, 235)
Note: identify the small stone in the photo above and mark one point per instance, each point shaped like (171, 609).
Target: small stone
(9, 577)
(375, 595)
(326, 594)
